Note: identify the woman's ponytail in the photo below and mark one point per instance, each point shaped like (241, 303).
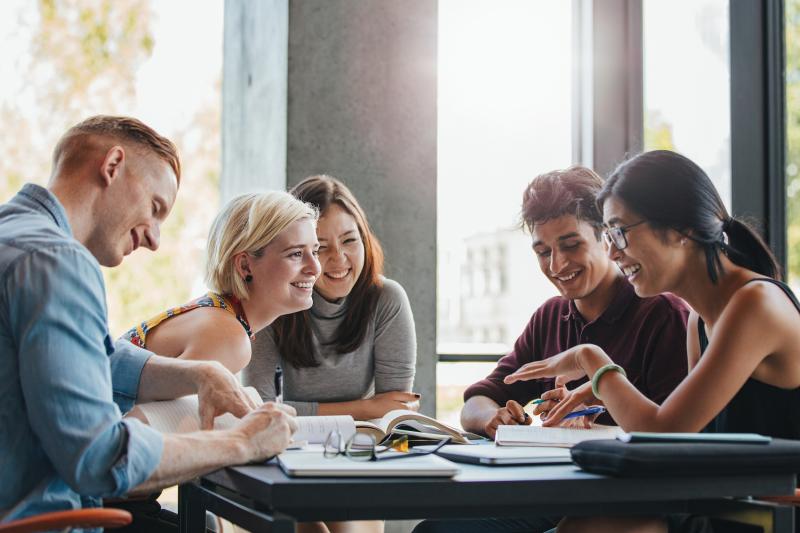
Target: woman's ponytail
(746, 248)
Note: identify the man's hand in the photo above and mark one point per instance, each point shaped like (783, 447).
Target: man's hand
(267, 430)
(510, 415)
(219, 392)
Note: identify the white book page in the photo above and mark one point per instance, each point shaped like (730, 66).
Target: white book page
(553, 436)
(181, 415)
(315, 429)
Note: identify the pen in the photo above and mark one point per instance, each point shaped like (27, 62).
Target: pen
(538, 401)
(595, 410)
(278, 384)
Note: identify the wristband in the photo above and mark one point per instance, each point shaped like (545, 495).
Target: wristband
(599, 374)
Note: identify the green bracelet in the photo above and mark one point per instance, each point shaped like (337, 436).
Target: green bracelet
(602, 370)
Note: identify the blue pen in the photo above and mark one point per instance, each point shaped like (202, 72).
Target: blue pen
(595, 410)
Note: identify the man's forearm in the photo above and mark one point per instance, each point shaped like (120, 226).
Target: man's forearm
(190, 455)
(166, 378)
(477, 412)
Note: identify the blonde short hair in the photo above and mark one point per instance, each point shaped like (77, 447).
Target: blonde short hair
(248, 223)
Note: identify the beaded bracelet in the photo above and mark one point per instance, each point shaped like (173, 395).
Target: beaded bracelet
(602, 370)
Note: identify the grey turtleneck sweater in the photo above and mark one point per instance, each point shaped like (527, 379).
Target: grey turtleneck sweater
(384, 362)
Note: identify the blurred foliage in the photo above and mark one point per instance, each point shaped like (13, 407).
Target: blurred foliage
(657, 132)
(83, 58)
(792, 8)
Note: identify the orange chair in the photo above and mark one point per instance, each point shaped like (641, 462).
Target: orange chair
(788, 500)
(66, 520)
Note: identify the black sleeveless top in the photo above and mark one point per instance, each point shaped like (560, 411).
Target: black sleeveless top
(758, 407)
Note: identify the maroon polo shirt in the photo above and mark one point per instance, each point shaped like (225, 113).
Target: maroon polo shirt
(646, 336)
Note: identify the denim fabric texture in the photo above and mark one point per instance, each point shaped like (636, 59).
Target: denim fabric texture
(63, 382)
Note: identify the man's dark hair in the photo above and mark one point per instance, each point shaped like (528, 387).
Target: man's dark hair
(570, 191)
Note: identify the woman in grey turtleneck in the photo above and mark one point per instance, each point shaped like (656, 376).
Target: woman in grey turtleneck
(354, 351)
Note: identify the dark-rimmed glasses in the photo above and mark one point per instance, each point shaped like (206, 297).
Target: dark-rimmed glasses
(616, 236)
(362, 447)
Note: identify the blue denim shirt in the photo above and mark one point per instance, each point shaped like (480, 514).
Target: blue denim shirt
(63, 382)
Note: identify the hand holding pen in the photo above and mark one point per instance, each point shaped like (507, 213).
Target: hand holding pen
(512, 414)
(555, 404)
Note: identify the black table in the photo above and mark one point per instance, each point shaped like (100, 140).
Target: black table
(263, 498)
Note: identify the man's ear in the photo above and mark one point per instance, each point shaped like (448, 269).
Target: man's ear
(113, 164)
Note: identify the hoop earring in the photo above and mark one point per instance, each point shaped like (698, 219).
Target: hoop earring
(248, 278)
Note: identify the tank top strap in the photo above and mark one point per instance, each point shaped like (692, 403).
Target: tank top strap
(230, 304)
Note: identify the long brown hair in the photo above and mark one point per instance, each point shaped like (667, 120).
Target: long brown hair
(293, 332)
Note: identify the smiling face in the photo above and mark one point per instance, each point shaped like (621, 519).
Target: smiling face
(571, 256)
(341, 253)
(134, 205)
(653, 260)
(283, 276)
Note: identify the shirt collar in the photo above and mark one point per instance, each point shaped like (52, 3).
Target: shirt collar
(619, 304)
(40, 199)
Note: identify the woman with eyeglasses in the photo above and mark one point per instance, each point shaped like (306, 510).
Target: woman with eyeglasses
(354, 352)
(668, 231)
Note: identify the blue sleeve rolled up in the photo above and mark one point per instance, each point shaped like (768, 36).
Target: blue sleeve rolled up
(57, 318)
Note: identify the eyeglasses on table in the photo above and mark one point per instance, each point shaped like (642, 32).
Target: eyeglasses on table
(363, 447)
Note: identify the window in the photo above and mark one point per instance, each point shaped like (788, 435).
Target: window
(687, 84)
(64, 61)
(505, 93)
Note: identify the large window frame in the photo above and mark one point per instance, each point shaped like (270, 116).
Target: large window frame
(608, 44)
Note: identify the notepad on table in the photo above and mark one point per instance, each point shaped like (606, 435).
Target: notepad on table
(301, 463)
(492, 455)
(718, 438)
(551, 436)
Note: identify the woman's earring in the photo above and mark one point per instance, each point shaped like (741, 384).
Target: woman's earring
(248, 278)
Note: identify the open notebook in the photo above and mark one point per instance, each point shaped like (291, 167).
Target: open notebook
(551, 436)
(181, 416)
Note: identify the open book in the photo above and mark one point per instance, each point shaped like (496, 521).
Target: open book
(418, 427)
(552, 436)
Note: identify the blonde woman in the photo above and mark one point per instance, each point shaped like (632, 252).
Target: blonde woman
(261, 264)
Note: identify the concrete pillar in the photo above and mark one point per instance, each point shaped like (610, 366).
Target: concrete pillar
(254, 96)
(361, 106)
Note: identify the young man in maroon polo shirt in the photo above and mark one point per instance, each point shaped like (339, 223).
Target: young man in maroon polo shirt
(597, 305)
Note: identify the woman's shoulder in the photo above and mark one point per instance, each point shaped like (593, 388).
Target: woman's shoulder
(391, 291)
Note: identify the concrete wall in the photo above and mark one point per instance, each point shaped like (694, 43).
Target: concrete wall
(361, 106)
(254, 96)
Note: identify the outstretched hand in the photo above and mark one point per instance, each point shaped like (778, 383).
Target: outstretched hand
(566, 364)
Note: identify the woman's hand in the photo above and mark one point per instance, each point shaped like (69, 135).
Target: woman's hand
(562, 401)
(566, 365)
(382, 403)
